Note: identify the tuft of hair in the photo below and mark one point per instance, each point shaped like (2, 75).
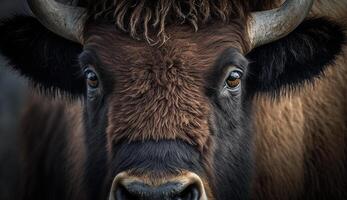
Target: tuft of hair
(147, 19)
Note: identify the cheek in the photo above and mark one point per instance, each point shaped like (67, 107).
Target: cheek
(230, 107)
(110, 129)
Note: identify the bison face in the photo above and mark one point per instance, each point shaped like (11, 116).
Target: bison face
(167, 109)
(170, 120)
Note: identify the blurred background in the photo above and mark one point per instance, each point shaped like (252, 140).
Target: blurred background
(12, 93)
(8, 7)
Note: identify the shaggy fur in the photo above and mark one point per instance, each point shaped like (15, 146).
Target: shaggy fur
(301, 144)
(147, 19)
(299, 155)
(173, 95)
(166, 85)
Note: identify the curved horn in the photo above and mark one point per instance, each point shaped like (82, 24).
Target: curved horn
(268, 26)
(66, 21)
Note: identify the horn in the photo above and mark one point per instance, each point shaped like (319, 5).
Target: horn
(66, 21)
(267, 26)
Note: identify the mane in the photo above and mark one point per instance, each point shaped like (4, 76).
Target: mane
(147, 19)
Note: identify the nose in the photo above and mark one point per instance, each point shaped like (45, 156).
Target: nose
(187, 187)
(139, 190)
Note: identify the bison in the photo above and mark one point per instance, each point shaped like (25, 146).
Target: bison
(144, 99)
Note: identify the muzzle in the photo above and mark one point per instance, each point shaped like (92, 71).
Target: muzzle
(188, 186)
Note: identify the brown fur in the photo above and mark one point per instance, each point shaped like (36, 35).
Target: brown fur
(54, 139)
(76, 149)
(148, 19)
(301, 143)
(159, 92)
(292, 159)
(279, 148)
(165, 85)
(314, 142)
(300, 140)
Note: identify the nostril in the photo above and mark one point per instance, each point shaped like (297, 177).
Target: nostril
(190, 193)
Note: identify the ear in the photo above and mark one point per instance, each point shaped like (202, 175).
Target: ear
(50, 61)
(297, 58)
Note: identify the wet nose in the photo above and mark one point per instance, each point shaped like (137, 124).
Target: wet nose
(183, 188)
(168, 191)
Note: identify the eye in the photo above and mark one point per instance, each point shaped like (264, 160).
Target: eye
(91, 78)
(234, 79)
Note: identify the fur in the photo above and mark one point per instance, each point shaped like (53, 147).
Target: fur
(42, 56)
(176, 103)
(51, 164)
(300, 144)
(316, 42)
(146, 19)
(173, 80)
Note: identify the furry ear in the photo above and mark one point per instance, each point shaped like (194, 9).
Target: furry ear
(51, 62)
(297, 58)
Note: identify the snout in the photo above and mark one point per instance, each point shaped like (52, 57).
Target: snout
(185, 187)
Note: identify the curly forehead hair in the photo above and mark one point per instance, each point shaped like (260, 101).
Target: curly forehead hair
(147, 19)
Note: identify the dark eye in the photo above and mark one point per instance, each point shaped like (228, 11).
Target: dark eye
(91, 78)
(234, 79)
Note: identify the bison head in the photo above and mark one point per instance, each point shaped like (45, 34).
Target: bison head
(169, 120)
